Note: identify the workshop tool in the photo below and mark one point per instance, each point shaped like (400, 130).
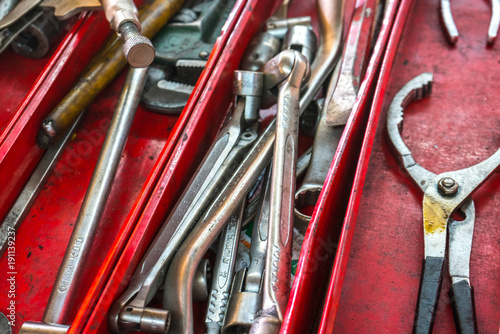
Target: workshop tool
(443, 195)
(223, 273)
(325, 143)
(101, 71)
(32, 188)
(182, 50)
(292, 68)
(122, 16)
(260, 50)
(331, 21)
(67, 285)
(276, 287)
(131, 311)
(6, 7)
(246, 292)
(451, 29)
(354, 62)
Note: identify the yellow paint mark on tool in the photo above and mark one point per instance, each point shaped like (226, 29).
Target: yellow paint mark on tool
(435, 216)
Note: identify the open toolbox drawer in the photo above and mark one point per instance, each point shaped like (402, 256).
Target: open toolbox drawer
(375, 281)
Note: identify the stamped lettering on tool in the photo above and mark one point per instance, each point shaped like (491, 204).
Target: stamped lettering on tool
(226, 253)
(77, 247)
(66, 279)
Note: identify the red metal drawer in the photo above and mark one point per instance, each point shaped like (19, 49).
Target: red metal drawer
(375, 281)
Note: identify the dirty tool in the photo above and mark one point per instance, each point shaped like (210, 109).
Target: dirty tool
(444, 194)
(276, 287)
(182, 51)
(32, 188)
(451, 29)
(131, 311)
(223, 273)
(66, 285)
(103, 68)
(353, 64)
(245, 300)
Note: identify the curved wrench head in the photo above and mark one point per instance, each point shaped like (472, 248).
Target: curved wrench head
(416, 89)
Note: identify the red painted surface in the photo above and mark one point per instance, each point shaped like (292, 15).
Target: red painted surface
(454, 128)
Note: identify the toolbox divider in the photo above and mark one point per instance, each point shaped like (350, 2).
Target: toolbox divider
(340, 265)
(321, 241)
(52, 84)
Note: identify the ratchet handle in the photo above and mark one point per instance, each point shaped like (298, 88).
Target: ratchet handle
(462, 298)
(428, 295)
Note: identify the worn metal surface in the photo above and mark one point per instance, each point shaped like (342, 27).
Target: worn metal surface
(380, 291)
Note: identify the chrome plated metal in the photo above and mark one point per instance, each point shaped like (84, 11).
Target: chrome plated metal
(225, 154)
(223, 273)
(331, 20)
(6, 6)
(20, 10)
(353, 64)
(30, 327)
(246, 292)
(123, 17)
(67, 282)
(261, 49)
(35, 183)
(301, 38)
(452, 31)
(438, 206)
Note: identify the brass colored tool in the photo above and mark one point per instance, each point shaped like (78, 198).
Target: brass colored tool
(101, 71)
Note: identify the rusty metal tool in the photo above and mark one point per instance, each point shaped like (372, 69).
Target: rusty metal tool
(131, 310)
(354, 62)
(66, 285)
(25, 200)
(223, 273)
(101, 71)
(443, 195)
(451, 29)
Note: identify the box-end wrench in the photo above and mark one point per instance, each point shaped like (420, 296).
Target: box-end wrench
(178, 294)
(223, 273)
(66, 285)
(131, 311)
(276, 285)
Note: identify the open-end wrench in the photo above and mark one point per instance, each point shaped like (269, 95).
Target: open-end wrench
(223, 273)
(292, 71)
(130, 311)
(66, 285)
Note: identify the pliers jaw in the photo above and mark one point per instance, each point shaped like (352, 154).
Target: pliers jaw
(452, 31)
